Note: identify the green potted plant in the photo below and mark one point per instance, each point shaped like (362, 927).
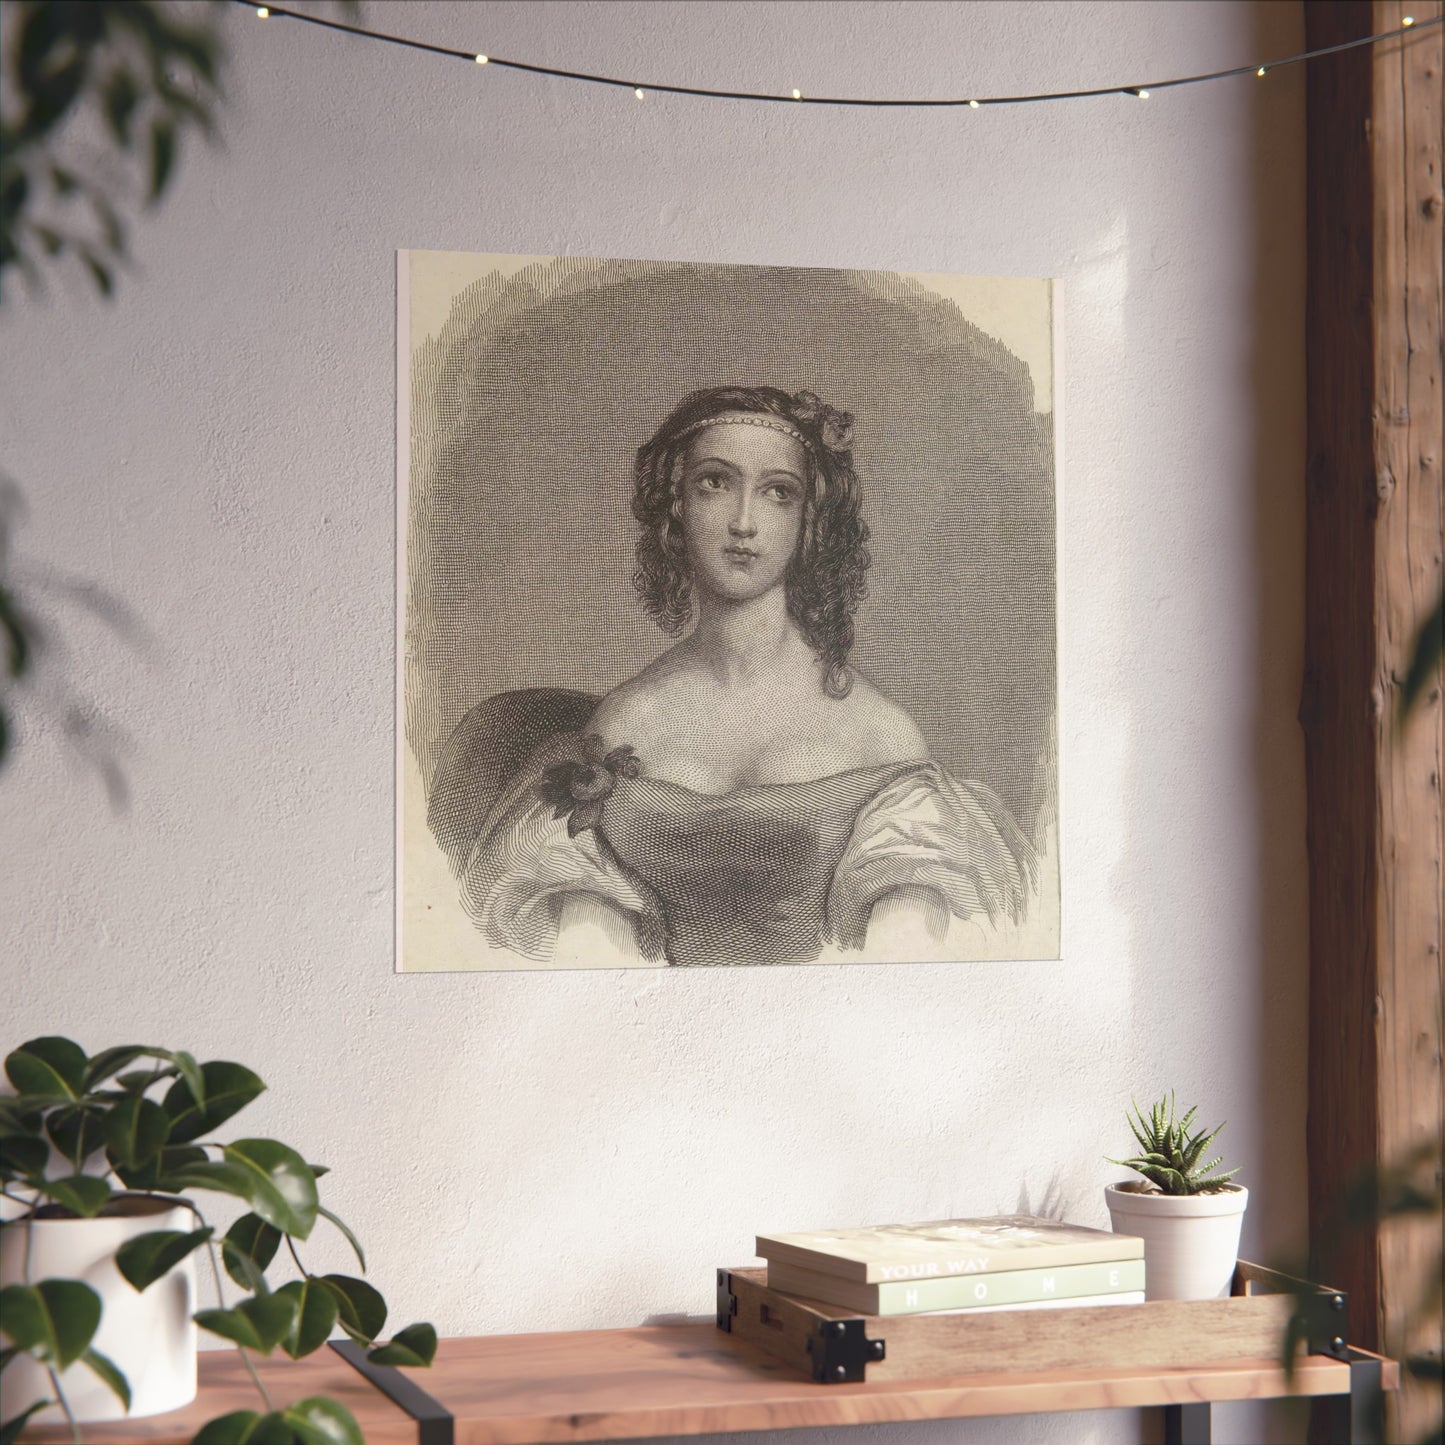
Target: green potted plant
(101, 1160)
(1186, 1211)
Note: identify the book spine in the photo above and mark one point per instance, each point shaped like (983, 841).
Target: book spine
(964, 1291)
(1106, 1250)
(1013, 1286)
(1088, 1301)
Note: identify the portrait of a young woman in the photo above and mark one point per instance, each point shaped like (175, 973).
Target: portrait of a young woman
(750, 796)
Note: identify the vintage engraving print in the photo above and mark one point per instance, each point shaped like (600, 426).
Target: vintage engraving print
(727, 615)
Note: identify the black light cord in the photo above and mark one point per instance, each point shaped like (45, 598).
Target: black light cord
(642, 88)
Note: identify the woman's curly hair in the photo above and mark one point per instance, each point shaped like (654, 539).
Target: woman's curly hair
(827, 577)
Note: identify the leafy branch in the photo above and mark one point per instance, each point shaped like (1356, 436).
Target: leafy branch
(110, 1140)
(144, 75)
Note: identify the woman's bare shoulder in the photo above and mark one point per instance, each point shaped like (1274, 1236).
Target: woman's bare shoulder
(880, 730)
(637, 707)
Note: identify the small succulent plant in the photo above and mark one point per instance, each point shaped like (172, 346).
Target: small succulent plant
(1170, 1153)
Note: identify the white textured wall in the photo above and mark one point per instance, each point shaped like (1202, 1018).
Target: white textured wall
(534, 1151)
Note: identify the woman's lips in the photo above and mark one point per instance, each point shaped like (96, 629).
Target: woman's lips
(740, 552)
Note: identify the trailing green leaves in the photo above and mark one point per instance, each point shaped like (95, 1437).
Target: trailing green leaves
(82, 1194)
(22, 1116)
(149, 1257)
(160, 1173)
(247, 1250)
(109, 1373)
(245, 1427)
(73, 1107)
(22, 1156)
(272, 1178)
(319, 1421)
(11, 1430)
(351, 1239)
(361, 1310)
(50, 1065)
(111, 1061)
(135, 1130)
(138, 78)
(316, 1311)
(313, 1421)
(225, 1089)
(76, 1130)
(259, 1323)
(54, 1320)
(415, 1345)
(280, 1184)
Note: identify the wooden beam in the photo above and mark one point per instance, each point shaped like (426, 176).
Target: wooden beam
(1374, 544)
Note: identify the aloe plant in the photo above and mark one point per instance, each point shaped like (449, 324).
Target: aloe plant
(82, 1131)
(1170, 1153)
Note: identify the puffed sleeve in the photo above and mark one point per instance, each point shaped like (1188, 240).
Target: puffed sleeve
(928, 829)
(525, 859)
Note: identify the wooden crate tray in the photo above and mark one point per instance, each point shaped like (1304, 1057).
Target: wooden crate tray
(837, 1346)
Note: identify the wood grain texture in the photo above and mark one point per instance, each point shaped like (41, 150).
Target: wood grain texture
(1156, 1335)
(690, 1380)
(1373, 569)
(225, 1386)
(1410, 541)
(695, 1379)
(1340, 763)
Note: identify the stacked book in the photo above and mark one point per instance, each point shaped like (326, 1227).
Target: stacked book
(1011, 1261)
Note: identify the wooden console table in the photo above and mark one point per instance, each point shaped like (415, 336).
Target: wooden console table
(694, 1379)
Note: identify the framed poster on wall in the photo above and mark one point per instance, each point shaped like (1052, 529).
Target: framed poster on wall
(727, 615)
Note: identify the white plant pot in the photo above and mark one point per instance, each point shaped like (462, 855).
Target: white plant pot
(149, 1336)
(1191, 1241)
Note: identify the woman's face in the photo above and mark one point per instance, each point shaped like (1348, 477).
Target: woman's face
(743, 493)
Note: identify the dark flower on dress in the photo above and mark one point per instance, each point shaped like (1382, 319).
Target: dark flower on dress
(577, 790)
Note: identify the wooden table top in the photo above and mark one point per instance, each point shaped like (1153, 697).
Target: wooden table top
(683, 1380)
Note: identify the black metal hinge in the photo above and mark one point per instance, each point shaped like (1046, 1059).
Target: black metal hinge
(1327, 1324)
(841, 1352)
(727, 1301)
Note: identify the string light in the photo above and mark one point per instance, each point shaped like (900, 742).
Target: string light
(1141, 91)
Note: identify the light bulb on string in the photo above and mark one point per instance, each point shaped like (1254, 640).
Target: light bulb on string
(1139, 92)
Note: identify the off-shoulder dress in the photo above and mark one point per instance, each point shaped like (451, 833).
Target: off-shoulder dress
(528, 808)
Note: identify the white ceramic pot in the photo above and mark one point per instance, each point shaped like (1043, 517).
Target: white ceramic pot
(150, 1336)
(1191, 1241)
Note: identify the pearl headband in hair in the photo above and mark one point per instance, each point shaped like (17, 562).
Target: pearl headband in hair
(772, 423)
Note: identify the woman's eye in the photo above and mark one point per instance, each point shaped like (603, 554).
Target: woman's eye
(780, 493)
(710, 482)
